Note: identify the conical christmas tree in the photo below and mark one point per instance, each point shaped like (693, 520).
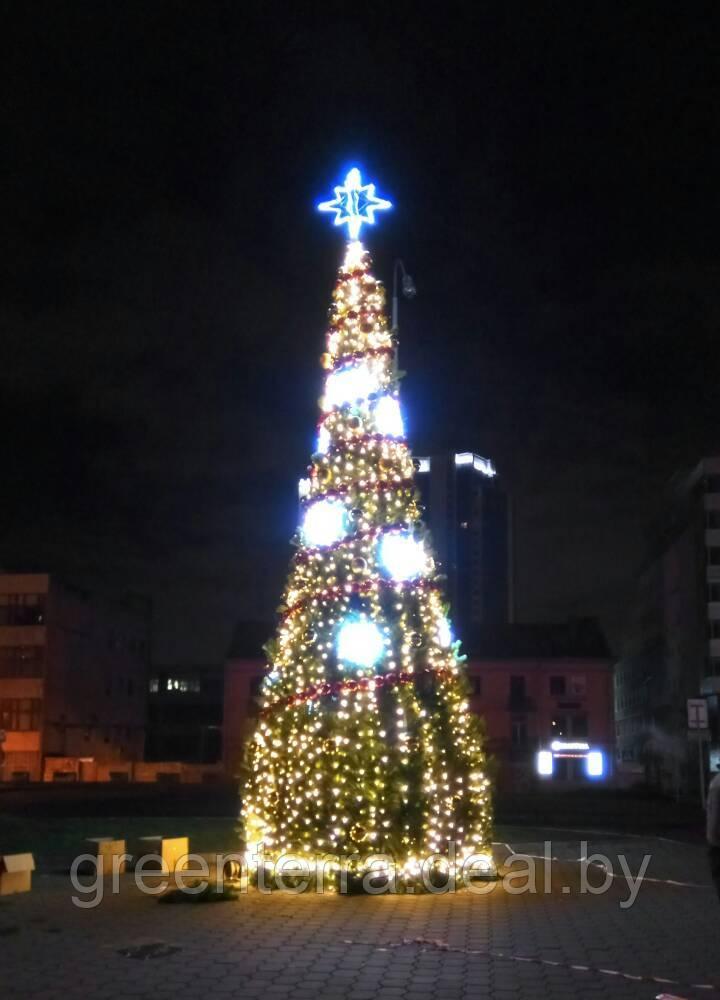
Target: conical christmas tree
(365, 744)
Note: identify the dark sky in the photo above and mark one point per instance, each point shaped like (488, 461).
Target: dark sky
(165, 278)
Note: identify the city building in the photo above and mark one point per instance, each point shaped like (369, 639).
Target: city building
(671, 650)
(545, 693)
(470, 520)
(73, 679)
(185, 714)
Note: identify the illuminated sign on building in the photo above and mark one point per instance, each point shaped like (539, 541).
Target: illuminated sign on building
(574, 750)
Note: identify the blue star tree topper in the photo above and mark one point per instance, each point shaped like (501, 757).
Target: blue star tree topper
(354, 203)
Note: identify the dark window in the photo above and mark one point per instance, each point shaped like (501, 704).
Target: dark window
(22, 609)
(119, 777)
(714, 629)
(475, 685)
(256, 685)
(20, 714)
(21, 661)
(712, 484)
(713, 555)
(518, 732)
(712, 519)
(517, 688)
(713, 667)
(557, 685)
(713, 592)
(579, 725)
(578, 685)
(20, 777)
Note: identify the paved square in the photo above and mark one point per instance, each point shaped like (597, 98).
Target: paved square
(498, 945)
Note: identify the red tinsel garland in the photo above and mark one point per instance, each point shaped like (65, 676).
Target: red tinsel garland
(338, 491)
(373, 352)
(358, 588)
(364, 439)
(310, 551)
(328, 689)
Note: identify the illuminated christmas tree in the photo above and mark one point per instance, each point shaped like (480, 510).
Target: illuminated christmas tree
(365, 743)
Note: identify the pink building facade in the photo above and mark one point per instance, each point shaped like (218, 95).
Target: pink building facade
(545, 694)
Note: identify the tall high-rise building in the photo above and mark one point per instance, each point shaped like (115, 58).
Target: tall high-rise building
(470, 518)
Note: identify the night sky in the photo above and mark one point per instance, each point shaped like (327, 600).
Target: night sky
(165, 278)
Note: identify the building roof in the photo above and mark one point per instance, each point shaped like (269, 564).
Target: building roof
(580, 638)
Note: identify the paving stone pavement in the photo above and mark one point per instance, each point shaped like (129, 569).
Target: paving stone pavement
(379, 948)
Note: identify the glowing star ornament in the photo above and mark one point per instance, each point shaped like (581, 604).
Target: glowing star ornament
(354, 203)
(388, 418)
(402, 556)
(325, 523)
(359, 643)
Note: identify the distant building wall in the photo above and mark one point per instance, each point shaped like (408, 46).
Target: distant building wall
(529, 703)
(185, 713)
(73, 674)
(671, 649)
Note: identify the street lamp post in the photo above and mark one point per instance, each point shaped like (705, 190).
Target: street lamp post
(409, 291)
